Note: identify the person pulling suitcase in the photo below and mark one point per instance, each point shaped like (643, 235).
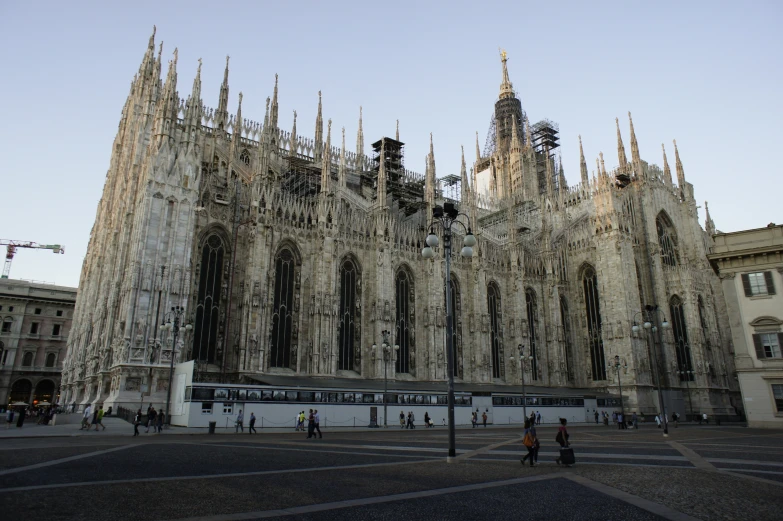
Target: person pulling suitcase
(566, 452)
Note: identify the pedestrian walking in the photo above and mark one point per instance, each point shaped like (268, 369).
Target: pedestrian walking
(538, 418)
(484, 418)
(658, 420)
(251, 428)
(151, 414)
(310, 424)
(529, 441)
(532, 418)
(240, 426)
(136, 423)
(159, 419)
(9, 418)
(566, 456)
(100, 418)
(86, 417)
(402, 420)
(474, 419)
(704, 417)
(317, 419)
(620, 421)
(596, 416)
(634, 420)
(426, 420)
(676, 419)
(94, 421)
(606, 419)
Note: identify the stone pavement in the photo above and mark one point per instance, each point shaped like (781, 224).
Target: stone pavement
(711, 473)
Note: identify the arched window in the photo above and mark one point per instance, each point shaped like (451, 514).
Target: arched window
(245, 157)
(50, 359)
(531, 306)
(568, 346)
(283, 310)
(495, 336)
(456, 332)
(403, 332)
(593, 311)
(44, 391)
(667, 240)
(350, 320)
(681, 345)
(208, 331)
(703, 322)
(27, 359)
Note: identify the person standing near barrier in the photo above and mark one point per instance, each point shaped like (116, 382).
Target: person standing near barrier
(252, 426)
(317, 427)
(538, 418)
(310, 424)
(402, 420)
(240, 422)
(596, 416)
(136, 423)
(484, 418)
(159, 422)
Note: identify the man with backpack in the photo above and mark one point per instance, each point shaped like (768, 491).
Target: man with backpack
(530, 441)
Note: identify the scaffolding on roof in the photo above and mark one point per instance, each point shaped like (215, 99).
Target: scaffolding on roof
(406, 188)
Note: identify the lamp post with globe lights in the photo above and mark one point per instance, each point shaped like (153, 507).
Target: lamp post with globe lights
(522, 359)
(171, 322)
(649, 314)
(447, 216)
(386, 352)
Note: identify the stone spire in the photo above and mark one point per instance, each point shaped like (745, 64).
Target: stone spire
(562, 184)
(709, 225)
(360, 140)
(341, 171)
(583, 164)
(148, 62)
(319, 130)
(667, 173)
(193, 110)
(432, 159)
(397, 133)
(266, 116)
(620, 147)
(506, 88)
(637, 160)
(381, 195)
(293, 147)
(603, 165)
(221, 114)
(678, 166)
(166, 110)
(429, 180)
(478, 150)
(550, 188)
(326, 162)
(236, 134)
(275, 108)
(516, 144)
(529, 133)
(463, 174)
(148, 78)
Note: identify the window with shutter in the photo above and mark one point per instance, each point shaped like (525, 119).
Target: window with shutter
(777, 393)
(746, 285)
(767, 345)
(757, 284)
(758, 346)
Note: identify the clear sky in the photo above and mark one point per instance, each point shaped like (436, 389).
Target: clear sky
(706, 73)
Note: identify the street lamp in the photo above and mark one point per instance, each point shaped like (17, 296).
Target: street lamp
(650, 313)
(445, 217)
(616, 366)
(386, 352)
(522, 359)
(171, 323)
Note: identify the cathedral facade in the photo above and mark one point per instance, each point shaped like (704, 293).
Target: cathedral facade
(291, 255)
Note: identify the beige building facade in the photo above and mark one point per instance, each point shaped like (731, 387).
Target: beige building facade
(36, 319)
(750, 265)
(291, 255)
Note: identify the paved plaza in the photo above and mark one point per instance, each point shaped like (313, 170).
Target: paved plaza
(698, 472)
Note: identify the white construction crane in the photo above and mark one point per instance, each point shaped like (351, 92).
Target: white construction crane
(11, 247)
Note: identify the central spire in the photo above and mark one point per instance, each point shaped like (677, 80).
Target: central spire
(506, 88)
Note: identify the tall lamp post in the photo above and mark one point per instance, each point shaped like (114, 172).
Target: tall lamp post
(386, 349)
(522, 359)
(171, 322)
(445, 217)
(617, 365)
(649, 314)
(687, 375)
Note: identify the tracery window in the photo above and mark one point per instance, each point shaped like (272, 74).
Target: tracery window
(567, 344)
(245, 157)
(349, 356)
(681, 345)
(593, 311)
(667, 240)
(456, 331)
(208, 331)
(283, 319)
(495, 337)
(404, 326)
(531, 307)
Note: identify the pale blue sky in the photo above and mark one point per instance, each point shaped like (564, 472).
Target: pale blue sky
(705, 73)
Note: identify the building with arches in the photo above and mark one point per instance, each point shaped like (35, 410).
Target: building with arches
(36, 319)
(292, 254)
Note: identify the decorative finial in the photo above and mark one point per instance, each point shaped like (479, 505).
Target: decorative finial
(503, 55)
(160, 49)
(198, 72)
(176, 55)
(319, 95)
(240, 97)
(227, 58)
(329, 127)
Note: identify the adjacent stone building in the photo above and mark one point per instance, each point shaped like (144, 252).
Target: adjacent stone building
(292, 254)
(36, 319)
(750, 265)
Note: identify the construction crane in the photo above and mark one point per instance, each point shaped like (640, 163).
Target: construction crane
(11, 247)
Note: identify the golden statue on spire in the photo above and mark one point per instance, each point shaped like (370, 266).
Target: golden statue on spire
(503, 55)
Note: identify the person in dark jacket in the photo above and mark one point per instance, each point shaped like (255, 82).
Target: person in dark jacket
(252, 425)
(136, 423)
(562, 437)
